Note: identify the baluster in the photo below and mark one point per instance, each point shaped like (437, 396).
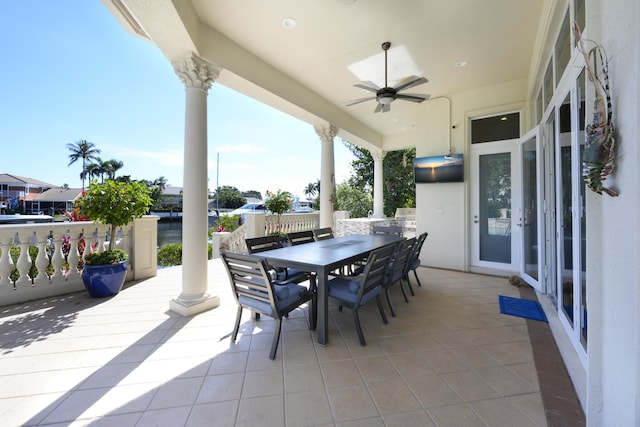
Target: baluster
(57, 259)
(42, 260)
(24, 262)
(6, 264)
(73, 256)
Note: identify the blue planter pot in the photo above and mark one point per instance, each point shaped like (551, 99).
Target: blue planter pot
(104, 280)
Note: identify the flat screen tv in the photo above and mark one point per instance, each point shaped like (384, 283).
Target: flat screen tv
(446, 168)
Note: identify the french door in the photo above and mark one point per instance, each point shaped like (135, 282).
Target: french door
(496, 214)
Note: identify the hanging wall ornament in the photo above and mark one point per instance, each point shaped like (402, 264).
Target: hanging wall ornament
(599, 157)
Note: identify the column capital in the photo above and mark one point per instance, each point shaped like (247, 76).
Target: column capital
(196, 73)
(378, 155)
(326, 132)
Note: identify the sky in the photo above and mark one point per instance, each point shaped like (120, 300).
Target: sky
(71, 72)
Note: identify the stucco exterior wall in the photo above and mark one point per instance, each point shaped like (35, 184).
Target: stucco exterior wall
(613, 266)
(443, 208)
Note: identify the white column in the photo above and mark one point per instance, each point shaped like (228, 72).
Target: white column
(197, 76)
(327, 174)
(378, 183)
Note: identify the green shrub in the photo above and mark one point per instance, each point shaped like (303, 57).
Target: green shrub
(171, 254)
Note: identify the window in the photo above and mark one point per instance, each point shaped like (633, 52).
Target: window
(496, 128)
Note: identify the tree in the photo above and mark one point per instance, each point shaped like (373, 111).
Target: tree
(160, 182)
(84, 150)
(229, 197)
(110, 167)
(312, 189)
(253, 194)
(399, 188)
(350, 198)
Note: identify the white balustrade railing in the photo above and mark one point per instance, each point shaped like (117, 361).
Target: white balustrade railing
(44, 260)
(258, 225)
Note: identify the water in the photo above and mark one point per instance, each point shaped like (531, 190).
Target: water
(169, 232)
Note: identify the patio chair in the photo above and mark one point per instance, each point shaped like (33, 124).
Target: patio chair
(284, 275)
(387, 229)
(413, 261)
(301, 237)
(396, 270)
(354, 292)
(253, 289)
(323, 233)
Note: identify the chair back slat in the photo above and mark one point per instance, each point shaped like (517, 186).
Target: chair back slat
(398, 263)
(323, 233)
(301, 237)
(265, 243)
(249, 277)
(376, 268)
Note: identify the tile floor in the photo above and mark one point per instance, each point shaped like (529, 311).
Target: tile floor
(448, 359)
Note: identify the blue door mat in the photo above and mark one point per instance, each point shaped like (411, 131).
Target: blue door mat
(519, 307)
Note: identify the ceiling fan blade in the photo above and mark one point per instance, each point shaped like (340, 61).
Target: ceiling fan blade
(413, 97)
(410, 81)
(386, 108)
(370, 86)
(378, 108)
(359, 100)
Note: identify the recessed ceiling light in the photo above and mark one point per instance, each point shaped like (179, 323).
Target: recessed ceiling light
(289, 23)
(461, 64)
(504, 118)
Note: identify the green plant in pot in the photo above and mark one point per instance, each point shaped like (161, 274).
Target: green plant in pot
(116, 204)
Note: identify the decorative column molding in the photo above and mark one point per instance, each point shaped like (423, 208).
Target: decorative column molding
(378, 183)
(196, 73)
(197, 76)
(327, 174)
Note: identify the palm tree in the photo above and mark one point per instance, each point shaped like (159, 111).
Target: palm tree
(111, 167)
(161, 183)
(312, 189)
(84, 150)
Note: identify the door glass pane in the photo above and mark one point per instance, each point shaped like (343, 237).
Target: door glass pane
(565, 218)
(548, 85)
(563, 47)
(583, 215)
(495, 207)
(530, 212)
(496, 128)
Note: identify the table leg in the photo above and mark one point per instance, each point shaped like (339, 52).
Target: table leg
(323, 307)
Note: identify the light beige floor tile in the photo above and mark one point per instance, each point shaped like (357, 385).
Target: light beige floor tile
(375, 368)
(469, 386)
(179, 392)
(266, 410)
(307, 408)
(443, 361)
(407, 419)
(500, 413)
(351, 403)
(221, 413)
(263, 383)
(299, 378)
(432, 391)
(505, 381)
(531, 406)
(169, 417)
(341, 373)
(227, 363)
(393, 396)
(411, 365)
(216, 388)
(455, 416)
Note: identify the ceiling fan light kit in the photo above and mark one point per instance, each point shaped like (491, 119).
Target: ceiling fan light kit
(386, 95)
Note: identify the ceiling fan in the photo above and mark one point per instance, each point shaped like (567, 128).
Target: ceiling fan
(386, 95)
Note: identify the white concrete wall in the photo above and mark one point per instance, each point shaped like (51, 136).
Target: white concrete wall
(442, 209)
(613, 234)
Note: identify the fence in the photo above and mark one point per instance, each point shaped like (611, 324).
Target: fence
(44, 260)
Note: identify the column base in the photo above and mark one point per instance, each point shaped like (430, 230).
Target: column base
(190, 307)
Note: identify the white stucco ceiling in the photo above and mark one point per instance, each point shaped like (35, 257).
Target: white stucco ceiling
(337, 43)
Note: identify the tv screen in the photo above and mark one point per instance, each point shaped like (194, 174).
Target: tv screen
(447, 168)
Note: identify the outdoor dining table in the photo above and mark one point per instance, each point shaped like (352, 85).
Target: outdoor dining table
(323, 257)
